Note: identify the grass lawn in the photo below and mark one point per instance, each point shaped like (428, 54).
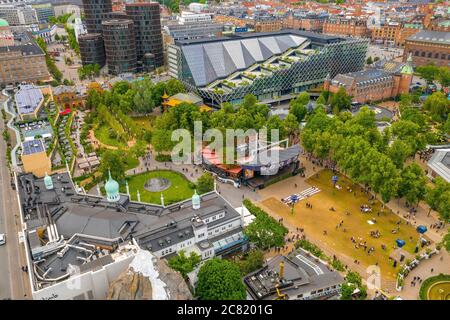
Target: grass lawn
(102, 134)
(179, 189)
(320, 218)
(144, 121)
(436, 288)
(130, 161)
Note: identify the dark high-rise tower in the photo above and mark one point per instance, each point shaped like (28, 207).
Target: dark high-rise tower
(94, 11)
(92, 50)
(147, 26)
(120, 47)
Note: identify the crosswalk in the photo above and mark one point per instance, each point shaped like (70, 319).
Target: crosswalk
(302, 195)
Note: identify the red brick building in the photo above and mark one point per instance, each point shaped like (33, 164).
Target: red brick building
(383, 82)
(428, 47)
(347, 27)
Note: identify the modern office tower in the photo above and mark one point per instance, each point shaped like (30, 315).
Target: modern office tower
(92, 50)
(94, 11)
(274, 67)
(120, 47)
(147, 26)
(119, 15)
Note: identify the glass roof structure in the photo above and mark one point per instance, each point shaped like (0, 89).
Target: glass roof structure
(210, 61)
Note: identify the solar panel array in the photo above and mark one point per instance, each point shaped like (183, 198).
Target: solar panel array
(32, 147)
(28, 99)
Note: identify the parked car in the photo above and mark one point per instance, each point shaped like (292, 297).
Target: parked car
(2, 239)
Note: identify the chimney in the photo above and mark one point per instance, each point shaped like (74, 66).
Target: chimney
(281, 274)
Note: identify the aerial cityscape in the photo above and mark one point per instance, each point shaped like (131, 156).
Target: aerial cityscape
(252, 150)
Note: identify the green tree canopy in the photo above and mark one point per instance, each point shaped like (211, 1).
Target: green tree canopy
(251, 261)
(265, 232)
(341, 100)
(184, 264)
(438, 198)
(428, 72)
(412, 185)
(205, 183)
(220, 279)
(112, 160)
(438, 105)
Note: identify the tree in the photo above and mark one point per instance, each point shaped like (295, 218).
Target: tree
(205, 183)
(444, 76)
(251, 261)
(412, 184)
(341, 100)
(291, 126)
(399, 151)
(113, 161)
(161, 140)
(446, 127)
(438, 105)
(438, 198)
(265, 232)
(298, 107)
(249, 101)
(428, 72)
(352, 282)
(302, 99)
(369, 60)
(275, 123)
(446, 241)
(185, 264)
(414, 115)
(323, 98)
(220, 279)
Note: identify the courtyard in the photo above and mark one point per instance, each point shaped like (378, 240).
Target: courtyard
(334, 217)
(178, 187)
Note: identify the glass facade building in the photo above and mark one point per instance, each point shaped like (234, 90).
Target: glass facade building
(147, 29)
(120, 47)
(94, 11)
(92, 50)
(269, 65)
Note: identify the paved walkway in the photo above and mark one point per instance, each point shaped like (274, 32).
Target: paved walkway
(439, 263)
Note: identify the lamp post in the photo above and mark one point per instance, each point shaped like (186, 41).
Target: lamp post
(420, 230)
(294, 199)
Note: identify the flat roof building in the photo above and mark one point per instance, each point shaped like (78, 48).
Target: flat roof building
(297, 276)
(24, 61)
(69, 233)
(440, 164)
(35, 159)
(29, 101)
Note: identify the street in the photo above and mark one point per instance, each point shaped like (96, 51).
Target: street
(12, 253)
